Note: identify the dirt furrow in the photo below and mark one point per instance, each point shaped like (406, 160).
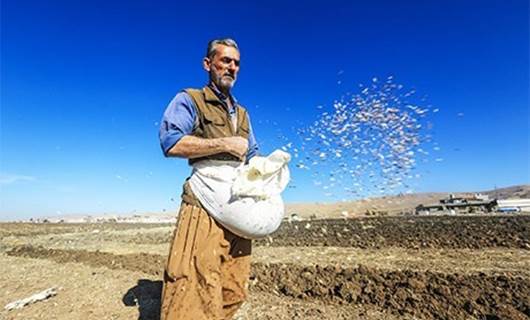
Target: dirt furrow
(455, 232)
(423, 294)
(426, 295)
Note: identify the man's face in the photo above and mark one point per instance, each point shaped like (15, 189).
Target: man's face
(223, 67)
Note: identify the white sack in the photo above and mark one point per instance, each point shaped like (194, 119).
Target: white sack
(245, 199)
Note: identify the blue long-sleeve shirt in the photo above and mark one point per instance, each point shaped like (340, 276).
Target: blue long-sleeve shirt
(180, 119)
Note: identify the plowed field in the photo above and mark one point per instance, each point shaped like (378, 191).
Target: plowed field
(457, 267)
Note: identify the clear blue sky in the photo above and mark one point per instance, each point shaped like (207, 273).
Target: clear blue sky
(84, 85)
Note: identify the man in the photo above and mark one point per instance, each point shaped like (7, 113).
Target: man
(208, 267)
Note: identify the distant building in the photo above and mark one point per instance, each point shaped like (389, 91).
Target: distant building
(464, 204)
(513, 205)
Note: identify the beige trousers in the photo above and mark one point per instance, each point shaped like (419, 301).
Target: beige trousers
(207, 271)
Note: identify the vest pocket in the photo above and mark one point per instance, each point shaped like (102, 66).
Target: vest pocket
(214, 119)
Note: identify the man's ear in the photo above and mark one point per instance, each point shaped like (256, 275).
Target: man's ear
(206, 62)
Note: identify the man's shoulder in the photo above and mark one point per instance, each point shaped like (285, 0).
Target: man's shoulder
(180, 95)
(182, 99)
(191, 90)
(195, 94)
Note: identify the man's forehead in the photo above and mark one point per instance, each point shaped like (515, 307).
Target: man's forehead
(224, 51)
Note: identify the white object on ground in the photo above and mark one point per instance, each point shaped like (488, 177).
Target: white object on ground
(34, 298)
(245, 199)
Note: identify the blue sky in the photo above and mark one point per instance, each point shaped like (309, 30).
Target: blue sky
(84, 85)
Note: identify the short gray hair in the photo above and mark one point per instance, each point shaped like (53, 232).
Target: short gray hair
(210, 52)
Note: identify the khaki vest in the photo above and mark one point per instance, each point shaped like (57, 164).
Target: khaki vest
(213, 121)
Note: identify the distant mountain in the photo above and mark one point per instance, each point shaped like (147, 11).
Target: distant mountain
(514, 192)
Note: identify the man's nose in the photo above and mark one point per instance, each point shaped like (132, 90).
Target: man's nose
(232, 66)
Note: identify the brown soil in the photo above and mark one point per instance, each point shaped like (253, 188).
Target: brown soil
(90, 293)
(408, 232)
(435, 267)
(144, 262)
(32, 229)
(427, 295)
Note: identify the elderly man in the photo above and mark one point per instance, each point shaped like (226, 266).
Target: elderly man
(207, 271)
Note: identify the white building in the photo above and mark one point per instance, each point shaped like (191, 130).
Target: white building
(514, 205)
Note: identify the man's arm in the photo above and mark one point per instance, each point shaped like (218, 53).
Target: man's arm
(175, 133)
(193, 147)
(177, 122)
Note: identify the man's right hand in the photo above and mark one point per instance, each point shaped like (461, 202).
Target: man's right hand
(238, 146)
